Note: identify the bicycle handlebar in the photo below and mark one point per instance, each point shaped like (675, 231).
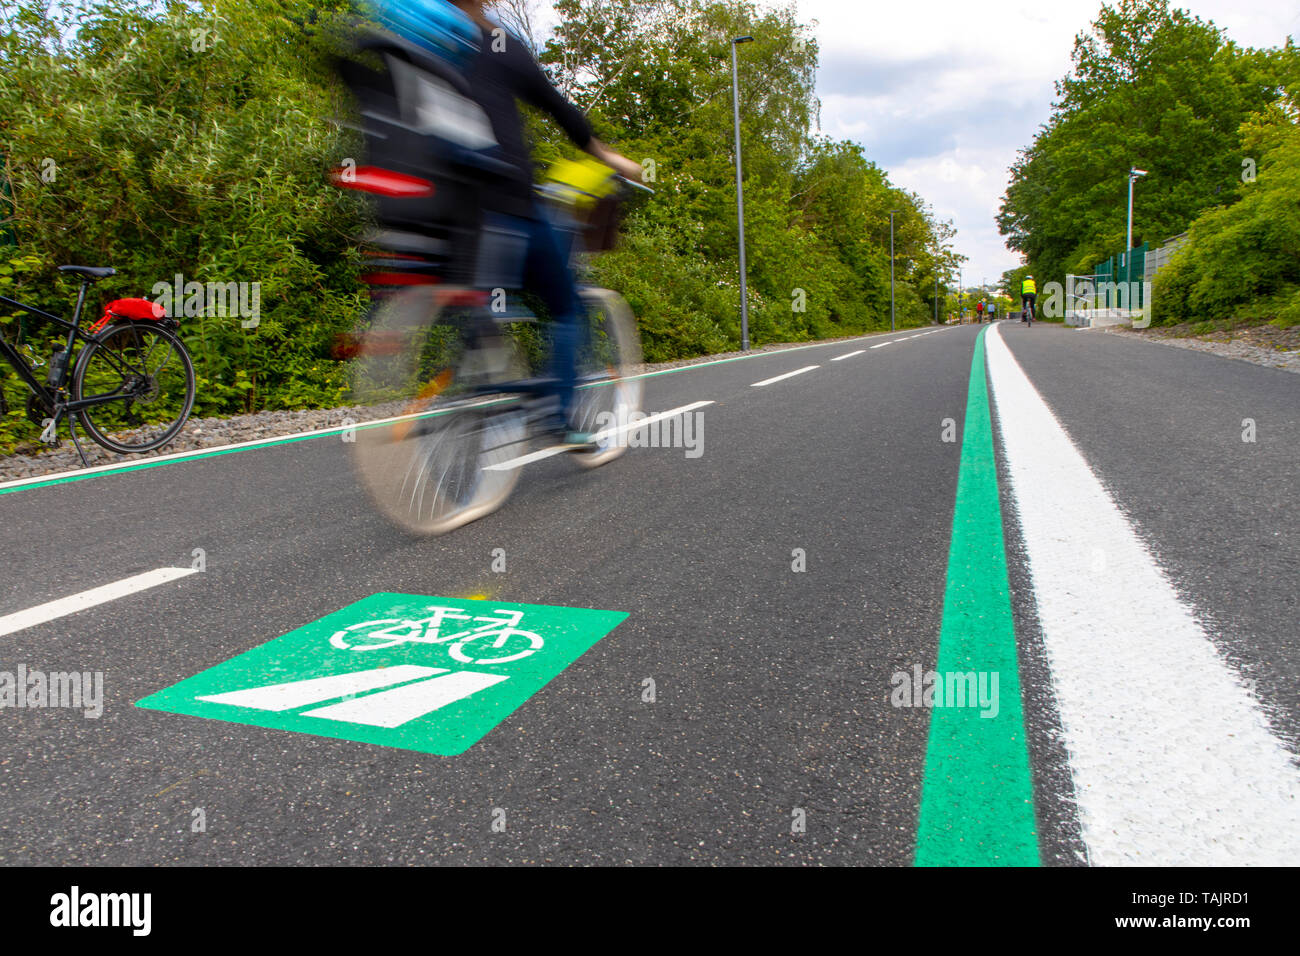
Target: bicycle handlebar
(635, 185)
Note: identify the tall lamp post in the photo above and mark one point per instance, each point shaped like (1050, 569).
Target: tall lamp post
(1134, 174)
(936, 292)
(740, 195)
(891, 269)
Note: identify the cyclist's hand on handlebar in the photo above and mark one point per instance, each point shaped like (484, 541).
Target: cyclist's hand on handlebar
(625, 167)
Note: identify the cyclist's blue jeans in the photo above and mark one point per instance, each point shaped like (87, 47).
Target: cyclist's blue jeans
(547, 274)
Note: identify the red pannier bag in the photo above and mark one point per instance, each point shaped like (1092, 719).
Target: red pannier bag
(136, 309)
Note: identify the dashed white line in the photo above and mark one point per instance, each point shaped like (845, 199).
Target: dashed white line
(882, 345)
(781, 378)
(841, 358)
(1173, 760)
(62, 607)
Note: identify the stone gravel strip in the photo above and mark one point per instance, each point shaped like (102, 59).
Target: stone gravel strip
(1273, 358)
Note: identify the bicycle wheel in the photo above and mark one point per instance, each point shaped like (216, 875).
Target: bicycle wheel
(429, 371)
(145, 379)
(608, 398)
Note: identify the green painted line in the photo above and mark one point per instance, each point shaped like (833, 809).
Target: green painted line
(977, 805)
(200, 454)
(429, 674)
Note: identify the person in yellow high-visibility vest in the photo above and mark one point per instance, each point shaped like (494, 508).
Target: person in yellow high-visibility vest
(1028, 297)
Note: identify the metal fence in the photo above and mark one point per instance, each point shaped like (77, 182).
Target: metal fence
(1118, 289)
(1157, 259)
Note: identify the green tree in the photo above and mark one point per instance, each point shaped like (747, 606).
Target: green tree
(1150, 87)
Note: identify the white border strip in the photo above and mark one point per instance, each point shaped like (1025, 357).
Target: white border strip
(1173, 760)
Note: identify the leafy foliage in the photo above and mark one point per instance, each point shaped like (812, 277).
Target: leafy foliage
(192, 138)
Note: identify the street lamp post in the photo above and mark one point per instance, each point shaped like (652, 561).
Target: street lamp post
(740, 195)
(1133, 175)
(891, 269)
(936, 293)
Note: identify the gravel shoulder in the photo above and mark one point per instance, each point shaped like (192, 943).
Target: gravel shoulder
(200, 433)
(1260, 345)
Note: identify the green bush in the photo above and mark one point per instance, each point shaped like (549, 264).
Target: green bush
(1243, 261)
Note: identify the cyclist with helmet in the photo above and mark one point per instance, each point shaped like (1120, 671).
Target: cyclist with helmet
(1028, 296)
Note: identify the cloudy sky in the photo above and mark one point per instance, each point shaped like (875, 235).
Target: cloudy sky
(943, 93)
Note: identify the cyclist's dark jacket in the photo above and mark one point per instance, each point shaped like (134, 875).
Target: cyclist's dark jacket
(498, 79)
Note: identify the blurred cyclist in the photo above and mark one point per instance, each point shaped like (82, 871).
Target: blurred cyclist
(502, 72)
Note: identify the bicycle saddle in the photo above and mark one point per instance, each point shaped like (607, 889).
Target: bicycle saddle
(90, 272)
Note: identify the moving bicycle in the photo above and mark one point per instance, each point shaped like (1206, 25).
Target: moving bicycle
(451, 347)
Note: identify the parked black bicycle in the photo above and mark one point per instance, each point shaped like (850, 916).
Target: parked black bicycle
(127, 378)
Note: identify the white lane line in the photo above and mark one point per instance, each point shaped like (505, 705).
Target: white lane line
(841, 358)
(882, 345)
(51, 610)
(616, 431)
(1172, 757)
(781, 378)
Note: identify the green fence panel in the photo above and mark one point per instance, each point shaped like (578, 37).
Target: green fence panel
(1128, 271)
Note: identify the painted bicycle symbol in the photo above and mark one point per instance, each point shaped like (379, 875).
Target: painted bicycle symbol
(473, 646)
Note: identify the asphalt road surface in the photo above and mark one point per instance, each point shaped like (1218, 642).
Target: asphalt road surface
(1101, 533)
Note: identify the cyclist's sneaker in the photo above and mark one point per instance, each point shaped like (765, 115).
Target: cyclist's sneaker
(579, 441)
(558, 433)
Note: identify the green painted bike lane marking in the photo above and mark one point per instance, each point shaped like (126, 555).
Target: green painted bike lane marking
(977, 805)
(429, 674)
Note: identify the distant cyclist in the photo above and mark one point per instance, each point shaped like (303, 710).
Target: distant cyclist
(979, 311)
(1028, 297)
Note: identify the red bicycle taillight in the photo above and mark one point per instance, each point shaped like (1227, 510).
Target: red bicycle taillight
(381, 182)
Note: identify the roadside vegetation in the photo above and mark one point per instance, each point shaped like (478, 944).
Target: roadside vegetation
(194, 139)
(1216, 125)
